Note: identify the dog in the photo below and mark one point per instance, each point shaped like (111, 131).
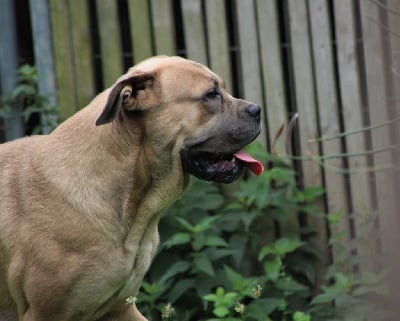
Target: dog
(79, 208)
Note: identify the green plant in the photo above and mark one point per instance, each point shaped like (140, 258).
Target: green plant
(218, 261)
(27, 98)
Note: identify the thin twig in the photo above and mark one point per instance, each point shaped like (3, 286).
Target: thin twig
(363, 153)
(355, 131)
(276, 138)
(348, 171)
(379, 4)
(384, 27)
(289, 132)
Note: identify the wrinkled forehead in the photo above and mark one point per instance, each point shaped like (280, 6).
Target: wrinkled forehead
(180, 73)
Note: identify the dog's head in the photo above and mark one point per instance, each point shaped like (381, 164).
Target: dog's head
(184, 111)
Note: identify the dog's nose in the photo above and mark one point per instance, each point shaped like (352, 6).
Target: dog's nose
(254, 111)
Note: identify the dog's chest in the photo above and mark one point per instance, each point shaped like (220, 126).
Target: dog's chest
(125, 273)
(141, 260)
(139, 246)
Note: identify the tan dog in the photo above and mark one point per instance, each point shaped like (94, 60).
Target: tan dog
(79, 208)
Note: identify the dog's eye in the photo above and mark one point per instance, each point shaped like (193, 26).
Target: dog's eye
(213, 95)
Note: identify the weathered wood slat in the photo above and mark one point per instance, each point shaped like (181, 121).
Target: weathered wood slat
(110, 41)
(82, 52)
(306, 107)
(194, 31)
(9, 65)
(63, 57)
(249, 57)
(43, 51)
(328, 106)
(353, 110)
(141, 29)
(274, 88)
(379, 112)
(218, 46)
(163, 27)
(394, 27)
(391, 237)
(73, 54)
(271, 66)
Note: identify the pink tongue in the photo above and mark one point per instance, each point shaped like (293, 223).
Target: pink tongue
(254, 165)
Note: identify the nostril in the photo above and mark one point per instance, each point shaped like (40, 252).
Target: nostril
(254, 110)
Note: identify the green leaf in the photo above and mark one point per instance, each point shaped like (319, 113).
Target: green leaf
(239, 243)
(217, 253)
(198, 242)
(229, 298)
(260, 308)
(211, 297)
(290, 285)
(203, 264)
(301, 316)
(334, 218)
(266, 250)
(309, 194)
(221, 311)
(213, 240)
(324, 298)
(174, 269)
(185, 224)
(177, 239)
(180, 288)
(213, 201)
(282, 174)
(205, 224)
(238, 282)
(273, 268)
(284, 246)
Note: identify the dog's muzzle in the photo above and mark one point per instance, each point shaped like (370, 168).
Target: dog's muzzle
(219, 157)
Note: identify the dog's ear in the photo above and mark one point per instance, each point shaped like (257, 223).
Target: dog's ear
(124, 94)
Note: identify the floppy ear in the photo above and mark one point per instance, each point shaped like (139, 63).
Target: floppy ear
(124, 95)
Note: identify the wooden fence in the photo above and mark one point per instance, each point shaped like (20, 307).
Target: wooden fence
(334, 63)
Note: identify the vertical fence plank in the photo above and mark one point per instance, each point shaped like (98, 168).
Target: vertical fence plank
(194, 31)
(271, 65)
(218, 46)
(353, 109)
(110, 41)
(274, 89)
(328, 106)
(73, 54)
(42, 44)
(82, 52)
(379, 112)
(394, 26)
(163, 27)
(9, 65)
(63, 57)
(391, 237)
(306, 107)
(140, 19)
(249, 56)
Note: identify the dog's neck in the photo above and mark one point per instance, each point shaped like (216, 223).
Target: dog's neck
(118, 172)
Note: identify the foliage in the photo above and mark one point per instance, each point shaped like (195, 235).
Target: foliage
(27, 98)
(218, 260)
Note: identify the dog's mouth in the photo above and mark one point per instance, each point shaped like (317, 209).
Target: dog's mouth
(221, 168)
